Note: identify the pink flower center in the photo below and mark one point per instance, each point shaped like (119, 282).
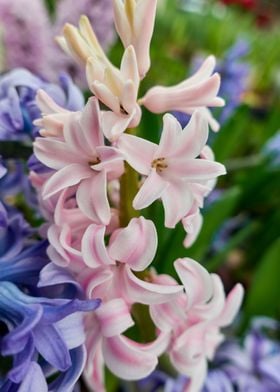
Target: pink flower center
(94, 161)
(159, 164)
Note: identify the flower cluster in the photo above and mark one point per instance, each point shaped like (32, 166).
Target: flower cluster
(41, 329)
(248, 366)
(99, 173)
(42, 332)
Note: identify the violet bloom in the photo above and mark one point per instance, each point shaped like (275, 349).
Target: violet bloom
(43, 337)
(21, 257)
(234, 73)
(18, 107)
(101, 16)
(253, 366)
(27, 37)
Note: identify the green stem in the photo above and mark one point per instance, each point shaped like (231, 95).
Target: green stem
(129, 184)
(128, 189)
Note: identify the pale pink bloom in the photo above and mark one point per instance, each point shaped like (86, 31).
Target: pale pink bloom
(53, 115)
(134, 21)
(116, 88)
(110, 271)
(194, 319)
(173, 171)
(67, 230)
(192, 224)
(198, 91)
(107, 345)
(81, 158)
(193, 221)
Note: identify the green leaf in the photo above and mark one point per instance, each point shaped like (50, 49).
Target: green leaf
(263, 296)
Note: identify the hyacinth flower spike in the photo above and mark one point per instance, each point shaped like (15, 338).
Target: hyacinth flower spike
(172, 167)
(134, 21)
(81, 158)
(198, 91)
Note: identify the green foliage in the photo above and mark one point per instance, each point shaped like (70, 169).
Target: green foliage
(263, 295)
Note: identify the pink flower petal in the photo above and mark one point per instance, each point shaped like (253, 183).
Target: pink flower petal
(196, 280)
(94, 280)
(92, 198)
(93, 247)
(114, 317)
(111, 161)
(94, 370)
(192, 224)
(167, 315)
(195, 170)
(144, 27)
(91, 124)
(64, 178)
(177, 201)
(129, 68)
(194, 137)
(232, 306)
(172, 130)
(47, 104)
(126, 359)
(113, 125)
(138, 152)
(212, 308)
(53, 237)
(137, 290)
(151, 190)
(55, 153)
(203, 73)
(135, 245)
(183, 97)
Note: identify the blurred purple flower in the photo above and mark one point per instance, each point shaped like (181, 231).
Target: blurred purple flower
(251, 367)
(27, 36)
(234, 73)
(101, 16)
(44, 337)
(21, 256)
(18, 108)
(254, 366)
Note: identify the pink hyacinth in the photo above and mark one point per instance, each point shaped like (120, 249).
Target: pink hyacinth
(111, 271)
(194, 319)
(200, 90)
(107, 344)
(80, 157)
(172, 168)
